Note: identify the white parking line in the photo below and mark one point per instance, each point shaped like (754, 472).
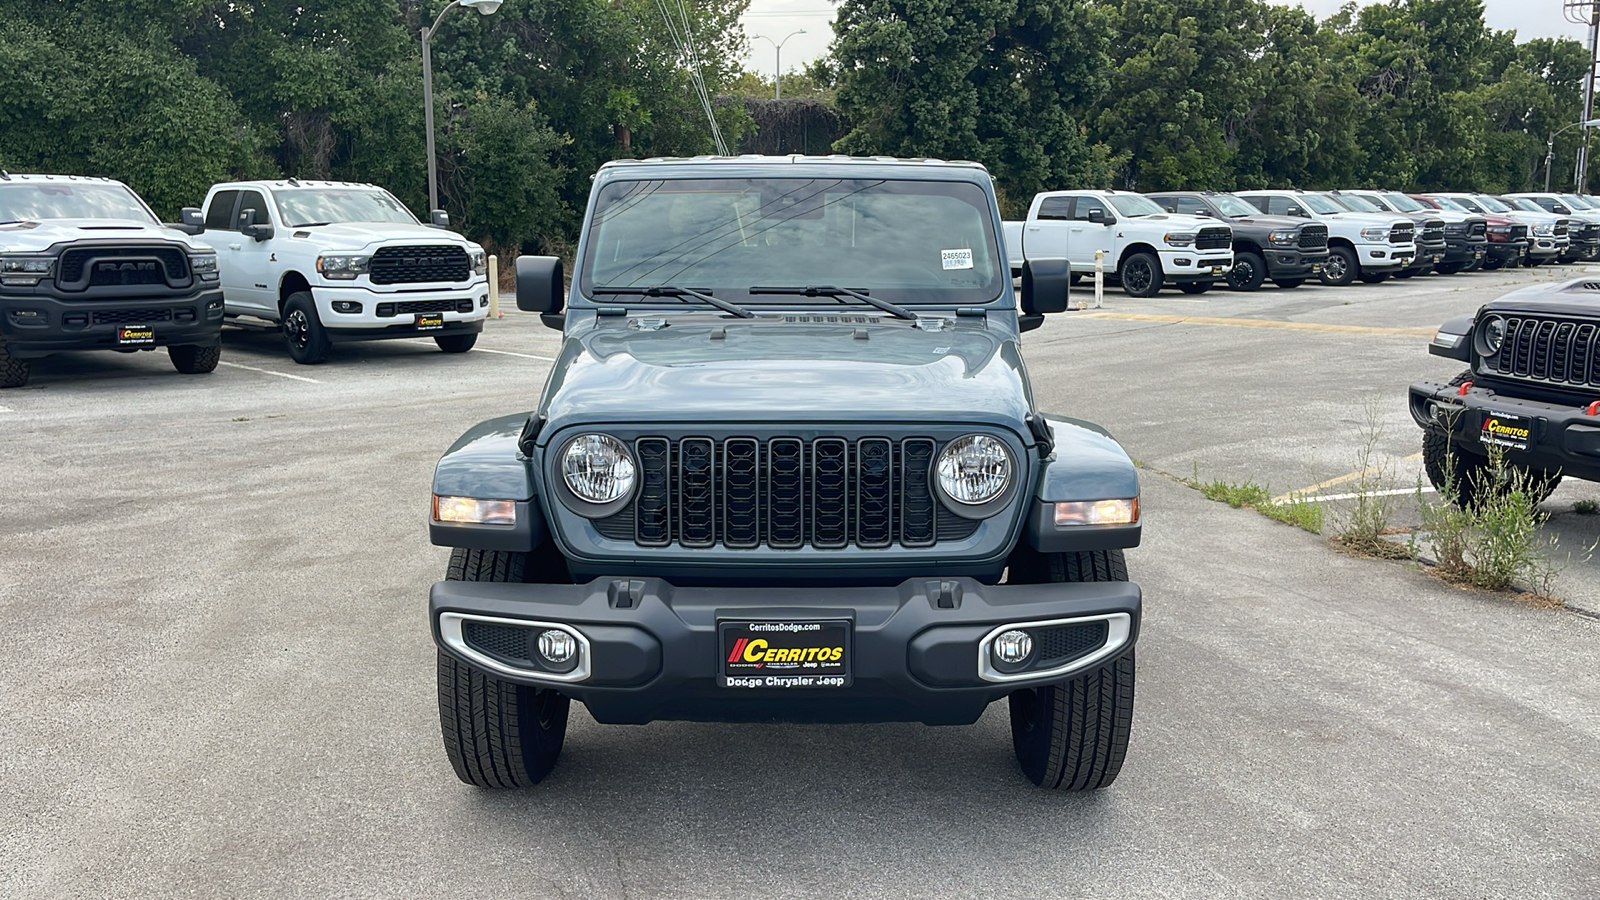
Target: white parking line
(6, 409)
(1395, 492)
(509, 353)
(234, 365)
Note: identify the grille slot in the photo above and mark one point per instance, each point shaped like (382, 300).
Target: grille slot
(434, 306)
(1213, 239)
(418, 265)
(1056, 644)
(1313, 237)
(785, 493)
(1548, 350)
(130, 316)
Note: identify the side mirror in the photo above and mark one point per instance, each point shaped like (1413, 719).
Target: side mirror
(1562, 210)
(540, 289)
(249, 228)
(439, 218)
(1045, 284)
(1099, 217)
(193, 221)
(1295, 211)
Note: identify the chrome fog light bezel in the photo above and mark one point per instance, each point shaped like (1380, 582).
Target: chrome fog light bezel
(450, 634)
(1119, 635)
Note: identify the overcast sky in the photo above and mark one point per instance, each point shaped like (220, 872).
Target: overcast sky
(776, 18)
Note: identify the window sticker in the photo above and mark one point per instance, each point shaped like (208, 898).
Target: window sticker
(956, 259)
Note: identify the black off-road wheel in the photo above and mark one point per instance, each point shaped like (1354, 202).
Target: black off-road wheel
(1341, 268)
(192, 360)
(1288, 283)
(302, 329)
(497, 734)
(456, 343)
(1073, 735)
(1248, 271)
(13, 371)
(1194, 287)
(1140, 275)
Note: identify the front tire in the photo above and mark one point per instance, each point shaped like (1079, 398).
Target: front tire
(1448, 268)
(1195, 287)
(456, 343)
(1467, 480)
(1073, 735)
(1249, 270)
(302, 329)
(192, 360)
(13, 371)
(1341, 268)
(1288, 284)
(497, 733)
(1140, 275)
(1374, 277)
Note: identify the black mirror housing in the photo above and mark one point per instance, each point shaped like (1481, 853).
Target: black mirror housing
(1099, 217)
(540, 287)
(438, 218)
(192, 221)
(1045, 285)
(259, 232)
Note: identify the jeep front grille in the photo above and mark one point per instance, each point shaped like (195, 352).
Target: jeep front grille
(1402, 234)
(1552, 351)
(1313, 237)
(420, 265)
(785, 493)
(1214, 239)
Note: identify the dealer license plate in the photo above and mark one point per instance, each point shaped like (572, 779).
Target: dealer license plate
(1315, 268)
(1501, 430)
(136, 336)
(785, 654)
(1216, 270)
(430, 322)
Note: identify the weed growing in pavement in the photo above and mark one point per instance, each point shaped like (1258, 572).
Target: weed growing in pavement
(1297, 510)
(1362, 529)
(1586, 507)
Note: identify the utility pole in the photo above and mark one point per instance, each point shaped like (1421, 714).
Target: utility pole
(1584, 12)
(484, 8)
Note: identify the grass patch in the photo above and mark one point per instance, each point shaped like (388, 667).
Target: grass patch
(1300, 512)
(1586, 507)
(1362, 529)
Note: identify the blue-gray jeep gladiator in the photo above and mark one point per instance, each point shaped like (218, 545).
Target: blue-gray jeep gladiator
(787, 467)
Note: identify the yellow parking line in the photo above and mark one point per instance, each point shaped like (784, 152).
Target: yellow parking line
(1261, 323)
(1348, 476)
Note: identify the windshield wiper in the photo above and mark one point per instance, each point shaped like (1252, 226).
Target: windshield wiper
(683, 294)
(838, 293)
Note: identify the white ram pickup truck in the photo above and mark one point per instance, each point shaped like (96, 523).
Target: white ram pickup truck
(332, 262)
(1368, 246)
(1145, 246)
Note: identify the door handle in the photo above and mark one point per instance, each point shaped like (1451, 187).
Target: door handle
(235, 246)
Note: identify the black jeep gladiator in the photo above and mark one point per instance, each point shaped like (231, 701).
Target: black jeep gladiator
(1531, 389)
(1278, 248)
(787, 466)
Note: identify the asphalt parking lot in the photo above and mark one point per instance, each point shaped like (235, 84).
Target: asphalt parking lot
(221, 679)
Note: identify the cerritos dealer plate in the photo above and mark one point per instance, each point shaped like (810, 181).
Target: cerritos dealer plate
(785, 654)
(430, 322)
(136, 336)
(1501, 430)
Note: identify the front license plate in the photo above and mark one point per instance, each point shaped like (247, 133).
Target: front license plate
(1437, 257)
(1216, 270)
(1501, 430)
(1315, 268)
(785, 654)
(430, 322)
(136, 336)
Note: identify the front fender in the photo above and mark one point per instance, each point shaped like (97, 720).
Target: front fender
(486, 464)
(1087, 464)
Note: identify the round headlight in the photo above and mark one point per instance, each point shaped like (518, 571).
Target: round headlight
(974, 469)
(1494, 332)
(597, 468)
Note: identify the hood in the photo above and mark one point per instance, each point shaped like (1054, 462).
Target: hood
(783, 369)
(1578, 297)
(1182, 220)
(362, 235)
(1276, 223)
(35, 236)
(1371, 219)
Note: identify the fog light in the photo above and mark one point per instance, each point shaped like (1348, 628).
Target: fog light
(557, 646)
(346, 306)
(483, 302)
(1011, 647)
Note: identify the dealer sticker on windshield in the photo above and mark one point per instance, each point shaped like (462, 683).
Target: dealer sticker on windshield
(956, 259)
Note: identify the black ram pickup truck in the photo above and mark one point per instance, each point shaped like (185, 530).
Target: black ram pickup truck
(1466, 239)
(1431, 243)
(1288, 251)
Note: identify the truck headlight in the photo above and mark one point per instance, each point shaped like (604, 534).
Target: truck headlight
(1374, 234)
(597, 468)
(1544, 230)
(204, 266)
(1179, 239)
(24, 271)
(1494, 333)
(974, 469)
(343, 267)
(480, 262)
(472, 511)
(1284, 238)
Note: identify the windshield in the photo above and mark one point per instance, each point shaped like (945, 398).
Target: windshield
(33, 200)
(1575, 201)
(1403, 203)
(1360, 204)
(902, 241)
(1525, 203)
(1229, 205)
(1135, 205)
(1491, 204)
(1320, 204)
(312, 206)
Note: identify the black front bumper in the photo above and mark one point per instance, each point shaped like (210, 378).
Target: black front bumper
(1294, 262)
(1506, 251)
(37, 324)
(402, 330)
(1464, 250)
(654, 651)
(1428, 255)
(1562, 437)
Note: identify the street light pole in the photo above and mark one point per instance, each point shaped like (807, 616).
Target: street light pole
(1550, 148)
(777, 62)
(484, 8)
